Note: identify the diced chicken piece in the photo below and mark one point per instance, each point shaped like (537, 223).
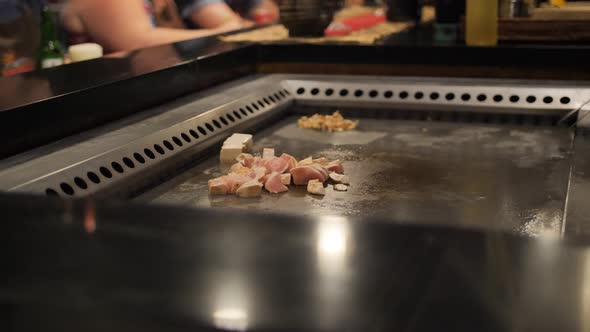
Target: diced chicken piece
(335, 166)
(258, 173)
(268, 153)
(322, 161)
(235, 181)
(339, 178)
(259, 162)
(239, 169)
(291, 161)
(245, 159)
(278, 165)
(274, 184)
(286, 179)
(250, 189)
(305, 162)
(303, 174)
(316, 187)
(245, 140)
(341, 187)
(321, 169)
(218, 186)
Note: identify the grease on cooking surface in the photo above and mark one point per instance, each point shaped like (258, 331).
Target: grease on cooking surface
(466, 175)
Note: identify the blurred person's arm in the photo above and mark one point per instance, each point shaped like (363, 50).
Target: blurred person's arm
(216, 13)
(211, 14)
(124, 25)
(355, 2)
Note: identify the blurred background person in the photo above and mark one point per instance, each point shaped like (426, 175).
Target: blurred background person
(121, 25)
(210, 14)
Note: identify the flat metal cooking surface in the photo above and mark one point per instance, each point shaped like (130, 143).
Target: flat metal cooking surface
(473, 175)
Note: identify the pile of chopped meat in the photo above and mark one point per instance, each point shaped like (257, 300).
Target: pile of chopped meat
(334, 122)
(251, 174)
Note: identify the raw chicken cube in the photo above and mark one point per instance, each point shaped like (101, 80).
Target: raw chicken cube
(218, 186)
(279, 165)
(305, 162)
(250, 189)
(286, 179)
(335, 166)
(274, 185)
(291, 160)
(303, 174)
(339, 178)
(340, 187)
(245, 159)
(316, 187)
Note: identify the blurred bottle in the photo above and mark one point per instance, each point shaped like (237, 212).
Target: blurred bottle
(51, 52)
(403, 10)
(481, 23)
(19, 35)
(448, 15)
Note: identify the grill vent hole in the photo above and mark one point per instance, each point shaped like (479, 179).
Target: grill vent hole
(139, 158)
(514, 98)
(343, 92)
(358, 93)
(434, 96)
(210, 127)
(403, 94)
(93, 177)
(117, 167)
(419, 95)
(450, 96)
(80, 183)
(548, 100)
(388, 94)
(481, 97)
(168, 145)
(465, 97)
(176, 140)
(329, 92)
(564, 100)
(67, 189)
(300, 91)
(185, 137)
(106, 172)
(498, 98)
(159, 149)
(149, 153)
(128, 162)
(315, 91)
(51, 192)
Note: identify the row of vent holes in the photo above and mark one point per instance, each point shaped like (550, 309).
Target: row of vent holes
(433, 96)
(118, 168)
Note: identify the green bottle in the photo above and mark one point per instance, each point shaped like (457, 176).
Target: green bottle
(51, 52)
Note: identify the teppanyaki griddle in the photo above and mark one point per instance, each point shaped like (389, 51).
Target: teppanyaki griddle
(477, 153)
